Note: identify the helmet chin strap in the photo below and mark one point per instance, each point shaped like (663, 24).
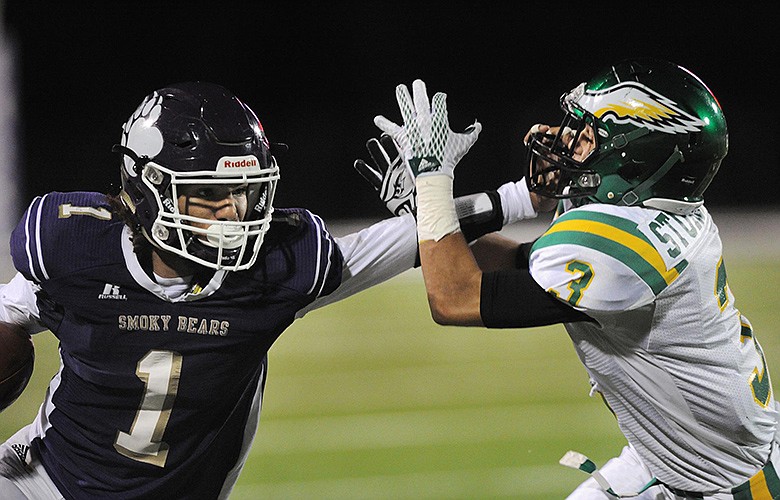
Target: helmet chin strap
(140, 161)
(223, 236)
(631, 197)
(621, 140)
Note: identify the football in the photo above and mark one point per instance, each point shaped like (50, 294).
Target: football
(17, 356)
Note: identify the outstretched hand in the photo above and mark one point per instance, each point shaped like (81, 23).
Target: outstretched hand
(425, 138)
(389, 174)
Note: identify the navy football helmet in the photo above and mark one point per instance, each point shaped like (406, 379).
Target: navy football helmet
(197, 133)
(655, 133)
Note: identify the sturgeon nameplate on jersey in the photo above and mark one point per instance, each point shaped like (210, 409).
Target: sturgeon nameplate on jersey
(672, 234)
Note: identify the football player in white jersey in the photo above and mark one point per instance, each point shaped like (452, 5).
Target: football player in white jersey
(632, 266)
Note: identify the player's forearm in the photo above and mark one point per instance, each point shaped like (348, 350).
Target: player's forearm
(452, 277)
(452, 280)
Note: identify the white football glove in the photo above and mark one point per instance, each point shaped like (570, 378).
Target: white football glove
(425, 139)
(389, 175)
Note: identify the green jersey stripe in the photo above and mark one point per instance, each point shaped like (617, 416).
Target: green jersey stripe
(627, 256)
(626, 225)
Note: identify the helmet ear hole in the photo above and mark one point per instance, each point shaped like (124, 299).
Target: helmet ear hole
(631, 171)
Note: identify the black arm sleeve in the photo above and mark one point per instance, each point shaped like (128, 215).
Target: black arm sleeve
(512, 299)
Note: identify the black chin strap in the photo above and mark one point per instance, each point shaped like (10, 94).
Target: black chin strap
(632, 197)
(140, 161)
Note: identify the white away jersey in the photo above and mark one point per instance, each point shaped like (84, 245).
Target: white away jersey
(675, 360)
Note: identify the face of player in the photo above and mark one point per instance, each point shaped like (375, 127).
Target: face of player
(213, 202)
(558, 158)
(586, 143)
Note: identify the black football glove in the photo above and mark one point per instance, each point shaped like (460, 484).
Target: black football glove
(389, 175)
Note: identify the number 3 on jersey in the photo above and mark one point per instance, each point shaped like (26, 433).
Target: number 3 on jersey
(160, 372)
(576, 286)
(760, 384)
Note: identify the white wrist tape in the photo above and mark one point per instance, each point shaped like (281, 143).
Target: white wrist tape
(436, 215)
(516, 202)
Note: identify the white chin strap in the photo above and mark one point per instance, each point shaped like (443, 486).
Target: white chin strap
(228, 237)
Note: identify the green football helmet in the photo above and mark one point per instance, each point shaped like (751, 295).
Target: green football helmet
(655, 133)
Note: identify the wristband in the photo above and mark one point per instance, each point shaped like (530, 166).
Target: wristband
(479, 214)
(516, 202)
(436, 214)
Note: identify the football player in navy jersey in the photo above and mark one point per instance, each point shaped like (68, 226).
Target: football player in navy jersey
(166, 298)
(633, 268)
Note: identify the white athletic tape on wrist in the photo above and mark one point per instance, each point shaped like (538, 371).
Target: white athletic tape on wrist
(436, 215)
(516, 202)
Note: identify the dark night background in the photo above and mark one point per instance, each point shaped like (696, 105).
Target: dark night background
(316, 73)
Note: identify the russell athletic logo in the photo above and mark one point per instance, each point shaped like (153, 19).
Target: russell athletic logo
(111, 292)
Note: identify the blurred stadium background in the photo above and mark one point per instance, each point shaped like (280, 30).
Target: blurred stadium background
(369, 398)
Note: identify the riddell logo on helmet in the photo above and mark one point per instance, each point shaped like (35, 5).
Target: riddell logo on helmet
(240, 163)
(232, 163)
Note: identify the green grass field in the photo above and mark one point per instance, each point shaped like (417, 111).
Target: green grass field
(368, 398)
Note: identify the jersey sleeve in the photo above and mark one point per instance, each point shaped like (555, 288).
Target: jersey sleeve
(18, 304)
(597, 261)
(328, 261)
(301, 255)
(372, 256)
(56, 232)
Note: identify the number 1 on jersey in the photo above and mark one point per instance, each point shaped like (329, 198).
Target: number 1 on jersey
(160, 372)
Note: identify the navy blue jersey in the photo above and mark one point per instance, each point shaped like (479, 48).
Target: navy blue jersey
(157, 397)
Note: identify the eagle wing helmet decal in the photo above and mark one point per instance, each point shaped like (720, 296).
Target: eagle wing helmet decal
(634, 103)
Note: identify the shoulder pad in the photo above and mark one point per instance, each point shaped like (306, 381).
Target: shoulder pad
(602, 249)
(59, 229)
(286, 224)
(300, 247)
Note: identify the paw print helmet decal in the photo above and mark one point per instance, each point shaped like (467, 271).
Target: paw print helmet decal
(197, 133)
